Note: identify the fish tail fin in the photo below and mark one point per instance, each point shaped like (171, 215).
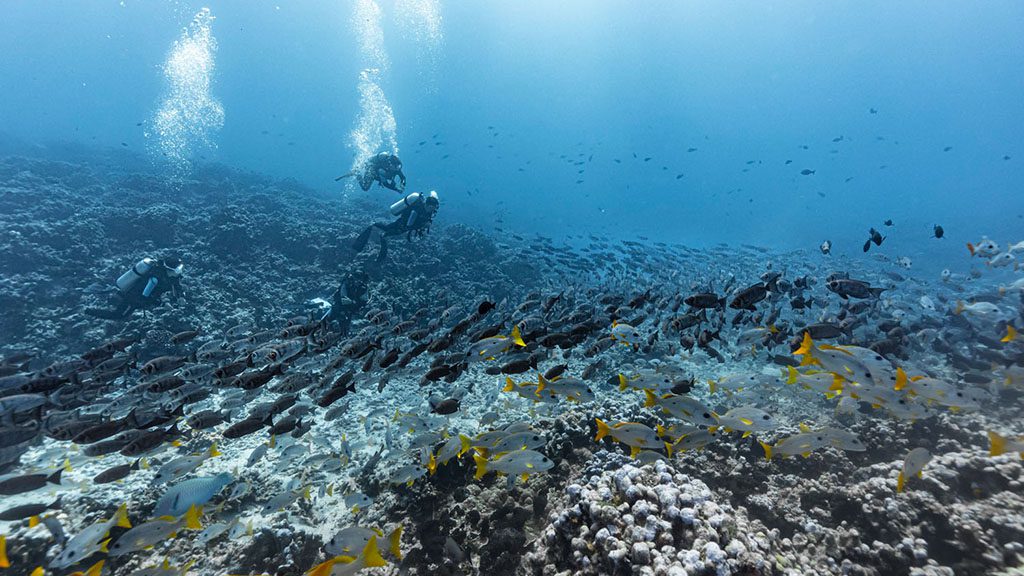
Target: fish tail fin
(997, 444)
(55, 477)
(464, 441)
(214, 451)
(1011, 334)
(792, 374)
(602, 430)
(649, 399)
(323, 569)
(541, 384)
(970, 248)
(900, 482)
(517, 337)
(959, 307)
(510, 386)
(432, 464)
(104, 544)
(668, 448)
(806, 346)
(481, 466)
(96, 569)
(622, 382)
(394, 542)
(4, 562)
(767, 449)
(711, 386)
(121, 517)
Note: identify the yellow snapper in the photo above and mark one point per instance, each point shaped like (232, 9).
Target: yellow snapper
(912, 465)
(369, 557)
(633, 434)
(149, 533)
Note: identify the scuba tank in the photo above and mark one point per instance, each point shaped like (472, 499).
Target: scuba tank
(137, 272)
(409, 200)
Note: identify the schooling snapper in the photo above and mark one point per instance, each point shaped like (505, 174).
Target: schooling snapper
(592, 294)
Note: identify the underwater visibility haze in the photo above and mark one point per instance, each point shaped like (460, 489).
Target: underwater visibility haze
(582, 287)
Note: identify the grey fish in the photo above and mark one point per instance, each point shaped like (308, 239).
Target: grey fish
(28, 482)
(193, 492)
(29, 510)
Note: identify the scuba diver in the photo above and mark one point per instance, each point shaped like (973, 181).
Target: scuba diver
(383, 168)
(414, 212)
(347, 301)
(141, 287)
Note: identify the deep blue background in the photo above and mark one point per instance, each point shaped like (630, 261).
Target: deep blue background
(738, 81)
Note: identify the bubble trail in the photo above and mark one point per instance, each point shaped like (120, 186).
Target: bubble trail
(375, 129)
(188, 114)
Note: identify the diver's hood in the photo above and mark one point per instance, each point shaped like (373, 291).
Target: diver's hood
(175, 271)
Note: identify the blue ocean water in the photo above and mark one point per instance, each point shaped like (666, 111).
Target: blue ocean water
(708, 291)
(508, 97)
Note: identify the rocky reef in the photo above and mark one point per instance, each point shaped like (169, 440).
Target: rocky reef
(259, 250)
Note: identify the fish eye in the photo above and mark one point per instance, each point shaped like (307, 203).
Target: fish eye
(766, 417)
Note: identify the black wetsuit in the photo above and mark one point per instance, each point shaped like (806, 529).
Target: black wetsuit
(383, 168)
(414, 219)
(125, 302)
(347, 301)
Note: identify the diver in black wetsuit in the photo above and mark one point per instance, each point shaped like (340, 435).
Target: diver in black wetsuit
(414, 214)
(347, 301)
(141, 287)
(384, 168)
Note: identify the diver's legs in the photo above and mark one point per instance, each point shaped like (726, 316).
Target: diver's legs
(360, 242)
(366, 180)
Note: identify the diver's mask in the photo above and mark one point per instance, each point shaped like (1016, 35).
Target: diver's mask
(174, 268)
(433, 202)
